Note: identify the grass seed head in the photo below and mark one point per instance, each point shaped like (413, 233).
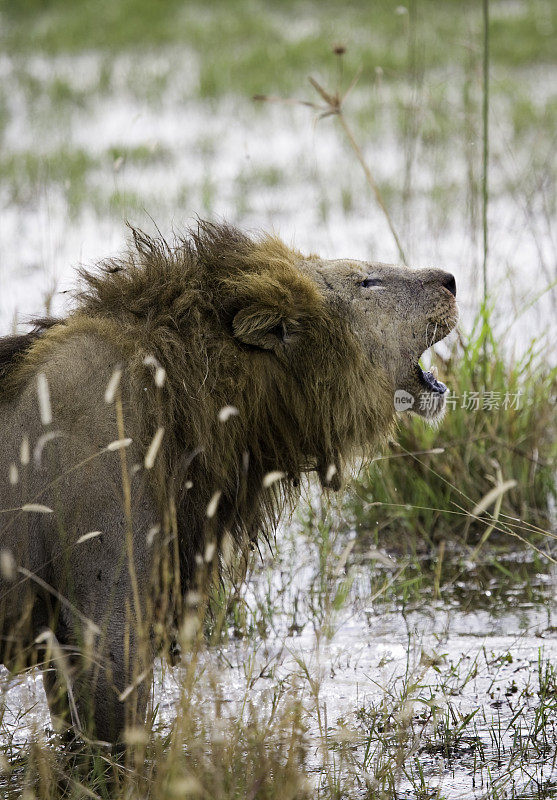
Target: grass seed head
(112, 386)
(43, 394)
(13, 474)
(7, 565)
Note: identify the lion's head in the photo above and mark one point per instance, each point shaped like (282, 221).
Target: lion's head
(305, 310)
(396, 313)
(329, 349)
(315, 356)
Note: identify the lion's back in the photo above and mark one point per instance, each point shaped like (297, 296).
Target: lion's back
(58, 479)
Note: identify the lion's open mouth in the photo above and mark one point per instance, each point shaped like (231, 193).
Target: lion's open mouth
(429, 381)
(420, 391)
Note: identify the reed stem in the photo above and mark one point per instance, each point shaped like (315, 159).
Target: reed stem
(485, 165)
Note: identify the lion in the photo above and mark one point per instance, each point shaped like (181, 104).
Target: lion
(173, 413)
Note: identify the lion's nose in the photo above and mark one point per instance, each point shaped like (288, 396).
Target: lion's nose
(448, 281)
(436, 278)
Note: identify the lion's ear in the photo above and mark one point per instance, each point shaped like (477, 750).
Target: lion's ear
(262, 327)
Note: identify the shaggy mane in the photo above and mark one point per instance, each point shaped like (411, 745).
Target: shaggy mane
(191, 307)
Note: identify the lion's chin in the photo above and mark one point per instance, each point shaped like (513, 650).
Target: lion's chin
(431, 408)
(422, 394)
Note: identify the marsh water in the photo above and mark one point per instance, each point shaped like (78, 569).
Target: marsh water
(157, 162)
(464, 666)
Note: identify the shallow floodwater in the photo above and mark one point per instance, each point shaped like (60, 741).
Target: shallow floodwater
(264, 167)
(471, 672)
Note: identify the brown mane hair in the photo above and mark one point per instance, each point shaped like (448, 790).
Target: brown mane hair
(209, 310)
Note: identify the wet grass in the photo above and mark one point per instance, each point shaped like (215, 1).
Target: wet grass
(27, 174)
(498, 432)
(251, 53)
(243, 43)
(82, 179)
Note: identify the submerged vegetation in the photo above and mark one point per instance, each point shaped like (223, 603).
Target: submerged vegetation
(397, 641)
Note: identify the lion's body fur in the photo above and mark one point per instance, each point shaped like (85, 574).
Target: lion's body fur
(233, 323)
(162, 303)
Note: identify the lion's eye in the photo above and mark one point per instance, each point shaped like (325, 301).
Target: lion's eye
(367, 282)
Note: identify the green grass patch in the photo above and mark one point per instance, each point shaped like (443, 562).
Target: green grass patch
(141, 155)
(27, 173)
(247, 46)
(499, 427)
